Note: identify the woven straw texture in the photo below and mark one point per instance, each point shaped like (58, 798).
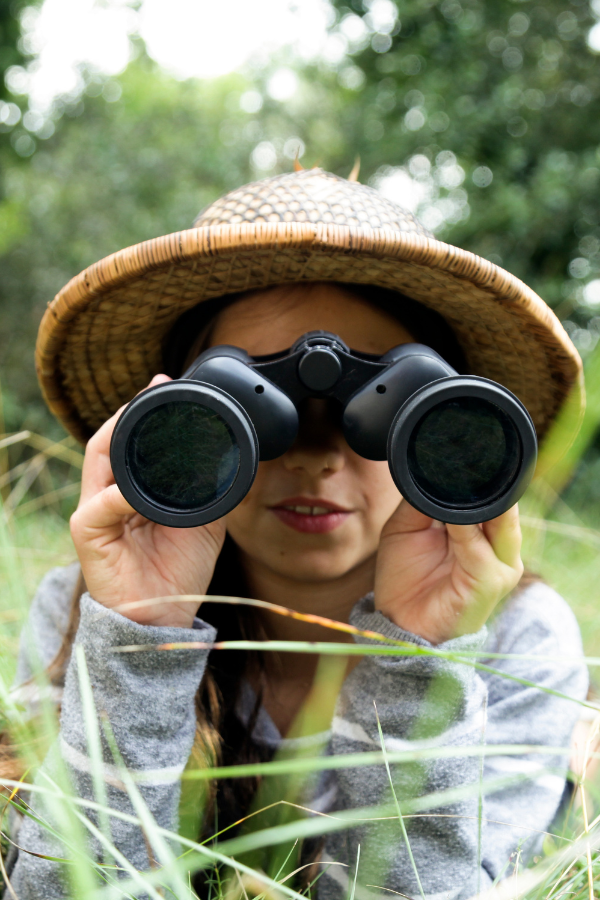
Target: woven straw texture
(101, 338)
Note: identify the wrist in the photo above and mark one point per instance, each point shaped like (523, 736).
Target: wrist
(368, 617)
(436, 628)
(153, 605)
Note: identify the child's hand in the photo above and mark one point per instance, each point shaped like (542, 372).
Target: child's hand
(126, 558)
(441, 581)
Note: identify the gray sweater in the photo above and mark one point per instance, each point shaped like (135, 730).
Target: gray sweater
(421, 701)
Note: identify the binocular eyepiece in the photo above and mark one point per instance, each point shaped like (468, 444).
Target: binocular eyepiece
(460, 448)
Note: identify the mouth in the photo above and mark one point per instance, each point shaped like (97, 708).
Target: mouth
(311, 515)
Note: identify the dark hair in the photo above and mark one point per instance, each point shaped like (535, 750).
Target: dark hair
(218, 694)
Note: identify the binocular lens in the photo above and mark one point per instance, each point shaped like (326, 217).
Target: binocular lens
(464, 452)
(183, 455)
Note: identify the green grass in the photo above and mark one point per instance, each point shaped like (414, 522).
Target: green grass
(561, 543)
(29, 547)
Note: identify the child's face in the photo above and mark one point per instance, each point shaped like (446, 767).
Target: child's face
(320, 470)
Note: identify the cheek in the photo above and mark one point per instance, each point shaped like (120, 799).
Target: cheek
(250, 513)
(381, 494)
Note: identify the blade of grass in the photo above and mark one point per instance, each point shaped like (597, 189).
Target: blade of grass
(32, 470)
(137, 877)
(285, 861)
(10, 439)
(397, 805)
(385, 648)
(67, 490)
(360, 650)
(577, 532)
(593, 734)
(92, 731)
(207, 852)
(226, 851)
(356, 760)
(263, 604)
(355, 873)
(65, 824)
(3, 871)
(160, 847)
(78, 867)
(480, 797)
(59, 449)
(533, 877)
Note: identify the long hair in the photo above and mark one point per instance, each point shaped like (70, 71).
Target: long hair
(221, 738)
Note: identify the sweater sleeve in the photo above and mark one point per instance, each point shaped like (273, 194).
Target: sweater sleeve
(148, 698)
(426, 702)
(537, 622)
(45, 628)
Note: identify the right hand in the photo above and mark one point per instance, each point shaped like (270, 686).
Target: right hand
(125, 558)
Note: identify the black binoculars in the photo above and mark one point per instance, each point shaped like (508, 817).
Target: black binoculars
(460, 448)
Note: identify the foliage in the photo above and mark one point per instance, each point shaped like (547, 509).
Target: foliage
(27, 542)
(11, 50)
(483, 115)
(511, 87)
(112, 175)
(13, 55)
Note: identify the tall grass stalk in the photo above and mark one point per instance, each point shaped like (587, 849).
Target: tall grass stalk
(38, 486)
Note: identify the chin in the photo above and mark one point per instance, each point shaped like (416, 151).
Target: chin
(301, 557)
(312, 566)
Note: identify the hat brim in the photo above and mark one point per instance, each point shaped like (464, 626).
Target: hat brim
(101, 339)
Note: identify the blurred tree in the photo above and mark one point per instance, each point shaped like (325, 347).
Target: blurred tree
(483, 117)
(119, 172)
(494, 111)
(11, 53)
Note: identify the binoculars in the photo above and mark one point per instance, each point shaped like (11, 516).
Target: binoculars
(460, 448)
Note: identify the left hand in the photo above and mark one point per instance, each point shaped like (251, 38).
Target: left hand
(440, 581)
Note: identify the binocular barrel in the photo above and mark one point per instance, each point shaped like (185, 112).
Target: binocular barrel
(460, 448)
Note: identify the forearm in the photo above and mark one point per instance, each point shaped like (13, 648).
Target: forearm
(537, 623)
(420, 702)
(147, 699)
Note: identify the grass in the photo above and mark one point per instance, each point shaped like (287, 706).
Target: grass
(38, 479)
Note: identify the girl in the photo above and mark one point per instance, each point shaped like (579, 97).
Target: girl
(321, 531)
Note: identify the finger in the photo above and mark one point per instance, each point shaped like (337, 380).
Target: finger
(471, 548)
(478, 555)
(504, 535)
(407, 519)
(468, 536)
(101, 513)
(97, 472)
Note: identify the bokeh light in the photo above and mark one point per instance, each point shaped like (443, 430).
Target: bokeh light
(64, 34)
(189, 38)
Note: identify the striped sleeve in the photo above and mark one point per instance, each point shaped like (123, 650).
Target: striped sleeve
(420, 702)
(459, 845)
(148, 699)
(537, 622)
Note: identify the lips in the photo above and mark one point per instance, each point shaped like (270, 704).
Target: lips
(310, 515)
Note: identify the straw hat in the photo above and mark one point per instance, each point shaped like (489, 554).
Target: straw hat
(102, 337)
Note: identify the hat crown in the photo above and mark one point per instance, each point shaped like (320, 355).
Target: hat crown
(311, 195)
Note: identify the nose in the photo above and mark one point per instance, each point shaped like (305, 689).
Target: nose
(319, 448)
